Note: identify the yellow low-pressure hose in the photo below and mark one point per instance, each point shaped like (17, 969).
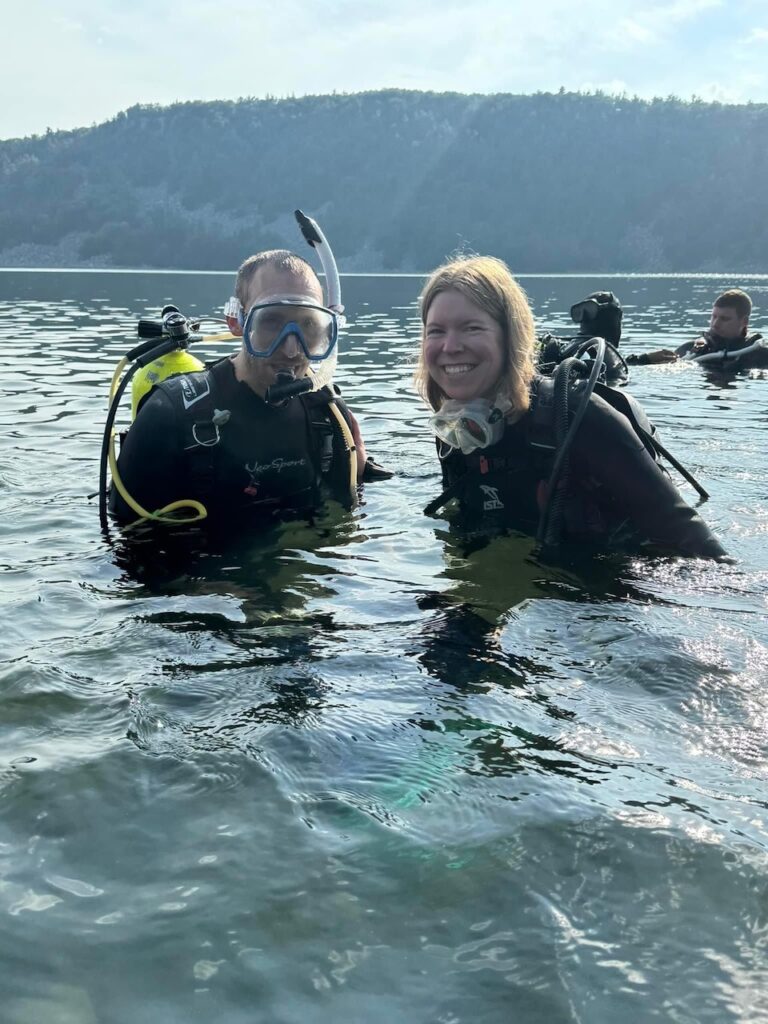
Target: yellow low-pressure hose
(116, 379)
(349, 441)
(164, 514)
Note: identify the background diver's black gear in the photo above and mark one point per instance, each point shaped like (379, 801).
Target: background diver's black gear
(552, 352)
(600, 314)
(727, 355)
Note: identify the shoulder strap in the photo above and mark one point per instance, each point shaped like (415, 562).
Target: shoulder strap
(624, 403)
(194, 399)
(540, 422)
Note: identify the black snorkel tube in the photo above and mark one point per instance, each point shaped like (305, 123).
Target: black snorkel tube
(286, 387)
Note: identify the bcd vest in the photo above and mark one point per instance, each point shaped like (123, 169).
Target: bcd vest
(277, 456)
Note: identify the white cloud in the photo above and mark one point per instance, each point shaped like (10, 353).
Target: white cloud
(639, 33)
(74, 67)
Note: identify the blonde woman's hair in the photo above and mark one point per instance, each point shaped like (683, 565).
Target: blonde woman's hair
(488, 283)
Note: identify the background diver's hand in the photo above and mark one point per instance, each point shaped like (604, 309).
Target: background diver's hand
(661, 355)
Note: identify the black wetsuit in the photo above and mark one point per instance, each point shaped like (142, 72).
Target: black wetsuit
(727, 352)
(615, 489)
(207, 436)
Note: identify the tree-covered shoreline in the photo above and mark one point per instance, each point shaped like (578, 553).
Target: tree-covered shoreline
(553, 183)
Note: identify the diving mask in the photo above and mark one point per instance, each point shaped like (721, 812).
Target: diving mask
(470, 425)
(269, 324)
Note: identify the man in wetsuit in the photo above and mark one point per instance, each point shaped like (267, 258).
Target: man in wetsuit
(727, 345)
(213, 436)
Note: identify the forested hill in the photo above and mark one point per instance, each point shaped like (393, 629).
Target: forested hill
(398, 180)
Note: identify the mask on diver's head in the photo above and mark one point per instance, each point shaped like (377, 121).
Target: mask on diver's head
(470, 425)
(600, 315)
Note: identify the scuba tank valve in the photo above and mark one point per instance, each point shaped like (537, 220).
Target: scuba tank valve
(177, 329)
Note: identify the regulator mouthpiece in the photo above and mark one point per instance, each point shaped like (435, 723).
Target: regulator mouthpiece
(286, 387)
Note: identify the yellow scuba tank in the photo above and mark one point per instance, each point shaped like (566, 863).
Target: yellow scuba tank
(167, 340)
(178, 361)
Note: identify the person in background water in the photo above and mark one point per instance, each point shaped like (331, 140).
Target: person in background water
(212, 436)
(726, 345)
(493, 427)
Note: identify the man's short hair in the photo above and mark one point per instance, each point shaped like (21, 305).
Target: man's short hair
(736, 299)
(280, 259)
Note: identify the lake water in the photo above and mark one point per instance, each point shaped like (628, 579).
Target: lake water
(347, 772)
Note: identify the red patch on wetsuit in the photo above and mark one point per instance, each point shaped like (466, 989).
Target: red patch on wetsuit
(542, 493)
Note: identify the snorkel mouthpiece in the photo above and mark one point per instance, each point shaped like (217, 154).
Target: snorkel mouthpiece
(286, 386)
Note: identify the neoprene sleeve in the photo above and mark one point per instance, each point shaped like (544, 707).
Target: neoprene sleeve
(607, 448)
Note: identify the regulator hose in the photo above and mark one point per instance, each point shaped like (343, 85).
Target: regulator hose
(550, 522)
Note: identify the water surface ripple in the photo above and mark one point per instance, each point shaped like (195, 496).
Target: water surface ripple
(351, 771)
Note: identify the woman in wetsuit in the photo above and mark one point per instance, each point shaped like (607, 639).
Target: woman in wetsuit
(492, 418)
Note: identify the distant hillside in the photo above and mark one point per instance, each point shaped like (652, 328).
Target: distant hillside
(398, 180)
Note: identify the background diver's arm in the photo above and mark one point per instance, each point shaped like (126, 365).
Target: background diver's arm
(660, 355)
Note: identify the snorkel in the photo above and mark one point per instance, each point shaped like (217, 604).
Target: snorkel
(314, 236)
(286, 386)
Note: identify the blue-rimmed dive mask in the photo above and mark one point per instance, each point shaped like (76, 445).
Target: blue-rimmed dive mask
(269, 324)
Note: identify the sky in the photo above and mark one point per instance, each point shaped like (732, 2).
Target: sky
(72, 65)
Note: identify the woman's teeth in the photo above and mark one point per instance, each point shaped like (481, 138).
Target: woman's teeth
(455, 368)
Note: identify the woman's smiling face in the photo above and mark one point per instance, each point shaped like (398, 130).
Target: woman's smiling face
(463, 347)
